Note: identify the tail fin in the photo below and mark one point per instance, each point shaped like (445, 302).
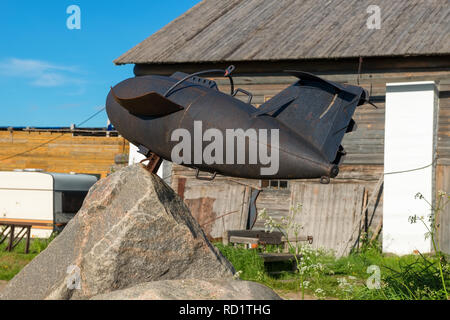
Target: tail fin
(319, 110)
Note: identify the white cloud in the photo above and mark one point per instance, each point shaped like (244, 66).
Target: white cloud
(49, 80)
(39, 73)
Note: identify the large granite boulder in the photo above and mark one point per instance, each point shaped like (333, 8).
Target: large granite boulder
(193, 289)
(131, 229)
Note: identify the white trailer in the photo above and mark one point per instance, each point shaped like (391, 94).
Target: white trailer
(45, 200)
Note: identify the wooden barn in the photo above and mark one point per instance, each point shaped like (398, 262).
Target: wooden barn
(94, 151)
(332, 39)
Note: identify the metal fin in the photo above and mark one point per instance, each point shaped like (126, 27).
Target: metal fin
(149, 104)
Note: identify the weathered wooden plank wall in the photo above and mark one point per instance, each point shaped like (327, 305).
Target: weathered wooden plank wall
(68, 153)
(443, 216)
(443, 138)
(329, 213)
(443, 167)
(218, 205)
(276, 202)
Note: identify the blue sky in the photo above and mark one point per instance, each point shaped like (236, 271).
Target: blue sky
(53, 76)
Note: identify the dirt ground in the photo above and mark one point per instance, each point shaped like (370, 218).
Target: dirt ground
(294, 295)
(3, 284)
(298, 296)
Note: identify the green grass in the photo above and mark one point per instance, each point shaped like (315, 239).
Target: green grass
(246, 261)
(406, 277)
(12, 262)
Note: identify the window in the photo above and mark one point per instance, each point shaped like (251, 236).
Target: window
(72, 201)
(274, 184)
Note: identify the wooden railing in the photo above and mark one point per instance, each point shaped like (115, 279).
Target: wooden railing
(9, 228)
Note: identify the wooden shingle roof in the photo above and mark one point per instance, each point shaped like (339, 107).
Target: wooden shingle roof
(270, 30)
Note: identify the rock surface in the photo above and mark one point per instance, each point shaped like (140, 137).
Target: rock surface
(131, 229)
(3, 284)
(192, 289)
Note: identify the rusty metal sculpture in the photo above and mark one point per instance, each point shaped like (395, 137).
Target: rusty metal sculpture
(310, 118)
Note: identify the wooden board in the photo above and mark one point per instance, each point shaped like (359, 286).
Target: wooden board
(274, 237)
(328, 212)
(236, 239)
(66, 153)
(217, 205)
(443, 216)
(279, 257)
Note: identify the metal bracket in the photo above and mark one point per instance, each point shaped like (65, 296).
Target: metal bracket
(197, 176)
(226, 73)
(325, 180)
(229, 70)
(154, 162)
(250, 96)
(143, 150)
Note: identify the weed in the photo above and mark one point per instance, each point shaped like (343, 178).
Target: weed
(247, 263)
(442, 200)
(12, 262)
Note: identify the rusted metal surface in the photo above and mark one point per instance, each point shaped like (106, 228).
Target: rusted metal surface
(154, 162)
(312, 116)
(203, 210)
(180, 186)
